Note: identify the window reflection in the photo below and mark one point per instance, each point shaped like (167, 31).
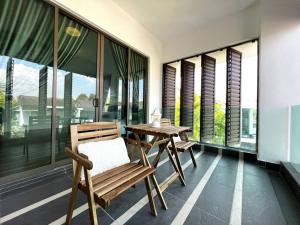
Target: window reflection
(115, 83)
(26, 58)
(76, 79)
(136, 88)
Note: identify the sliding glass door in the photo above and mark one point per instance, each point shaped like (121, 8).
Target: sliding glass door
(56, 71)
(115, 80)
(137, 79)
(26, 74)
(76, 79)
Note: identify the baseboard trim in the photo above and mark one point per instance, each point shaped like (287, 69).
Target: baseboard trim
(292, 177)
(248, 156)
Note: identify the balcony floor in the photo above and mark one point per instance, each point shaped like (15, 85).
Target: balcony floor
(266, 198)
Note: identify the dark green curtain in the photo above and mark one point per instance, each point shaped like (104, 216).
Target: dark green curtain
(26, 30)
(69, 45)
(120, 57)
(121, 60)
(106, 84)
(137, 72)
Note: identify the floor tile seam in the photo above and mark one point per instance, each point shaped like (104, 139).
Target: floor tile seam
(203, 210)
(186, 209)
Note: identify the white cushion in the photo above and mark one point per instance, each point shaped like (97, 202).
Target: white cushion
(105, 155)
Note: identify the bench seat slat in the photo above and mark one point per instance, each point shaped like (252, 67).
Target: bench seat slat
(119, 182)
(183, 145)
(115, 177)
(125, 185)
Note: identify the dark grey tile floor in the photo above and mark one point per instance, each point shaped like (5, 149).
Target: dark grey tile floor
(267, 199)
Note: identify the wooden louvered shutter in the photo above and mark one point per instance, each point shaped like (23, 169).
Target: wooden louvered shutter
(208, 65)
(169, 96)
(187, 94)
(233, 101)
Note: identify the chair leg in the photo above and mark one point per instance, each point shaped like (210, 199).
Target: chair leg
(159, 193)
(150, 196)
(131, 152)
(91, 200)
(176, 168)
(73, 194)
(92, 210)
(71, 205)
(192, 156)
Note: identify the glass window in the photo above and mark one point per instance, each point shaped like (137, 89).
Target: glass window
(138, 72)
(220, 97)
(76, 79)
(26, 73)
(115, 83)
(248, 96)
(197, 97)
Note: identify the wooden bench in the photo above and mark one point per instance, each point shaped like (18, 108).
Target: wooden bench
(102, 188)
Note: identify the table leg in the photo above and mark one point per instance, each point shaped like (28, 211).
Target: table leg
(175, 166)
(160, 151)
(146, 162)
(154, 139)
(177, 157)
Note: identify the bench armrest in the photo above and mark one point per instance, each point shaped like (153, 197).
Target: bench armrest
(80, 158)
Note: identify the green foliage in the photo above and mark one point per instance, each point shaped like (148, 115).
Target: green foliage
(219, 137)
(82, 96)
(2, 99)
(197, 105)
(177, 112)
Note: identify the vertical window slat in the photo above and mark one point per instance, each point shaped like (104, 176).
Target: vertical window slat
(187, 94)
(208, 65)
(233, 97)
(169, 96)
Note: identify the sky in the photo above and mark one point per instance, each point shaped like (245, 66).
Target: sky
(26, 79)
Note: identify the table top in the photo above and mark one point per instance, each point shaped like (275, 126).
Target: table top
(163, 131)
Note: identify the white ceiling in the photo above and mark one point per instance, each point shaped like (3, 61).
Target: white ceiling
(166, 18)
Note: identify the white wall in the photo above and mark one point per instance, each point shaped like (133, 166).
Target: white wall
(279, 75)
(110, 18)
(230, 30)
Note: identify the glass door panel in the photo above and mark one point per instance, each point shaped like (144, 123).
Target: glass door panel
(115, 83)
(76, 79)
(26, 59)
(138, 71)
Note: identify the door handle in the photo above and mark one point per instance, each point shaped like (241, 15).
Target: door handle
(96, 102)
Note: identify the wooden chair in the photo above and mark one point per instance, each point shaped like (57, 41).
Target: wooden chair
(102, 188)
(184, 144)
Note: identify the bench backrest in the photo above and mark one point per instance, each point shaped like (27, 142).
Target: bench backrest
(89, 132)
(165, 122)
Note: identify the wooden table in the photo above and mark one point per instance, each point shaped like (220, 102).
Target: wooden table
(162, 136)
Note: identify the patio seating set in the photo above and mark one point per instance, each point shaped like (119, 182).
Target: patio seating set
(103, 169)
